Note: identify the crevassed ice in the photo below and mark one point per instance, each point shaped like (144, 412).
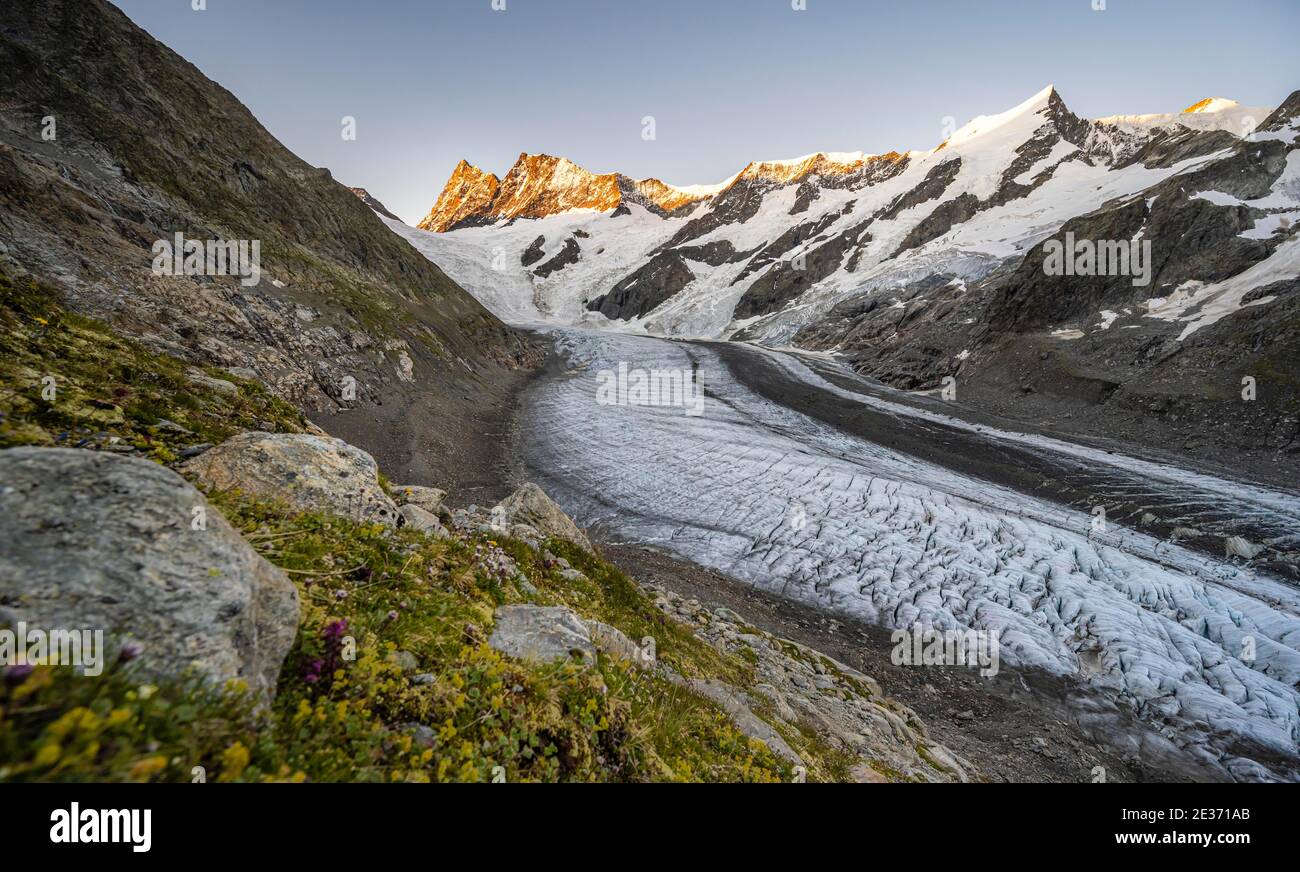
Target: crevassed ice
(896, 540)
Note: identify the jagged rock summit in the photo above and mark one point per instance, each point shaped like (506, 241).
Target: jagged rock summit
(539, 185)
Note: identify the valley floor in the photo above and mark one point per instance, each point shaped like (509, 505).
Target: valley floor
(894, 514)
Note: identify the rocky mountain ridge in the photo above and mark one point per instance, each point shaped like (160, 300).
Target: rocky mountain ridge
(365, 197)
(816, 213)
(539, 185)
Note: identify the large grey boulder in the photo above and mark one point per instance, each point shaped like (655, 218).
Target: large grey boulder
(308, 473)
(98, 541)
(531, 506)
(543, 633)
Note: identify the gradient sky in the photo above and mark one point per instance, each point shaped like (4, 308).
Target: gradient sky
(728, 81)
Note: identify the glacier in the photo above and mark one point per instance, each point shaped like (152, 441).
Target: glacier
(789, 504)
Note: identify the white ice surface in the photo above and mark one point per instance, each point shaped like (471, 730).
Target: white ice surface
(896, 540)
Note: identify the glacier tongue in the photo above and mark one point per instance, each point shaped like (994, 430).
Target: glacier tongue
(784, 502)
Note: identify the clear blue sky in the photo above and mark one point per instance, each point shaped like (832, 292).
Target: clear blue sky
(728, 81)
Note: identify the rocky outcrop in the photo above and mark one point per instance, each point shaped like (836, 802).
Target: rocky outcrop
(533, 252)
(663, 277)
(931, 187)
(530, 505)
(785, 281)
(569, 253)
(911, 337)
(421, 520)
(365, 197)
(97, 541)
(783, 244)
(555, 633)
(308, 473)
(733, 702)
(428, 498)
(615, 644)
(802, 686)
(539, 185)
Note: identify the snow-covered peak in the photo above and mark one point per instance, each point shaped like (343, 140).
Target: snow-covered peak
(699, 191)
(821, 163)
(1212, 113)
(1018, 121)
(1211, 104)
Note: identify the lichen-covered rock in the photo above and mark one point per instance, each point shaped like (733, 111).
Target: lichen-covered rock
(530, 505)
(424, 521)
(308, 473)
(613, 642)
(543, 633)
(220, 385)
(428, 498)
(804, 688)
(91, 540)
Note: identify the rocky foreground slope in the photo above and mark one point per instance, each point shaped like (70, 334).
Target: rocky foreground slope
(921, 266)
(275, 610)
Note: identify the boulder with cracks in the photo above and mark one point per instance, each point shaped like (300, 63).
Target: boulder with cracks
(96, 541)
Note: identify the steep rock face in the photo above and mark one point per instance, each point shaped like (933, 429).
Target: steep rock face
(534, 252)
(468, 194)
(569, 253)
(540, 185)
(663, 276)
(785, 281)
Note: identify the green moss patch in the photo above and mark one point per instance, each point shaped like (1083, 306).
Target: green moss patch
(72, 381)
